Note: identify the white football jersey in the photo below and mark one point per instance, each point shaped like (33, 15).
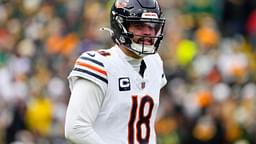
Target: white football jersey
(128, 112)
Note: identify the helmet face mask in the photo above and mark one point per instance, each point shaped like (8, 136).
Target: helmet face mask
(137, 14)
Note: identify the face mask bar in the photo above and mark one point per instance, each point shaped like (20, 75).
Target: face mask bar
(142, 49)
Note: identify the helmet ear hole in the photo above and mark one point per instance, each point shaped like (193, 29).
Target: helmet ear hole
(122, 39)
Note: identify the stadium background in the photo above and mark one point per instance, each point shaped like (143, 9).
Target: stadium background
(209, 54)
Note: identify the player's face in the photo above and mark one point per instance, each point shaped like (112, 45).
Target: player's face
(143, 33)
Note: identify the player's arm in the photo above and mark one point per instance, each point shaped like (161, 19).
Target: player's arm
(84, 105)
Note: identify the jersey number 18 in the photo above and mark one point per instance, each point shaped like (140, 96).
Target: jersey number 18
(135, 125)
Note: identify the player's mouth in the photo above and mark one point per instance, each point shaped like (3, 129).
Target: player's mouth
(146, 41)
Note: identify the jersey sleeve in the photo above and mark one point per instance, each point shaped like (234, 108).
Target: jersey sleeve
(84, 105)
(90, 66)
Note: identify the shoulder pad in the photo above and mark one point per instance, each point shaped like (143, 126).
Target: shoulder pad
(90, 66)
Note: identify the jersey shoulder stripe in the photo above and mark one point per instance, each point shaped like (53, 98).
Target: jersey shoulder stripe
(91, 73)
(92, 60)
(92, 67)
(89, 66)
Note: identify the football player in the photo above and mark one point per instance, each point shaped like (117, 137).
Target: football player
(115, 92)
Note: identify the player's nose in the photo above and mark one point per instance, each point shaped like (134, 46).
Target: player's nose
(147, 30)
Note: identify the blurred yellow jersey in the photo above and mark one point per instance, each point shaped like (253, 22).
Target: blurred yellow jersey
(39, 115)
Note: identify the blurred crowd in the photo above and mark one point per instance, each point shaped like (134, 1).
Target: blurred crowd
(209, 54)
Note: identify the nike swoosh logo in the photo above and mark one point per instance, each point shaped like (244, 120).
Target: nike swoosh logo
(90, 54)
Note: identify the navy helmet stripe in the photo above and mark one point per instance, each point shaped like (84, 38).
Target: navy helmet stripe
(92, 60)
(92, 74)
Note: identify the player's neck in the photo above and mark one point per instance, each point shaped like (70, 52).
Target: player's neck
(131, 58)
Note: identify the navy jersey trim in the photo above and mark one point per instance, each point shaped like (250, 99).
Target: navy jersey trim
(92, 74)
(93, 60)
